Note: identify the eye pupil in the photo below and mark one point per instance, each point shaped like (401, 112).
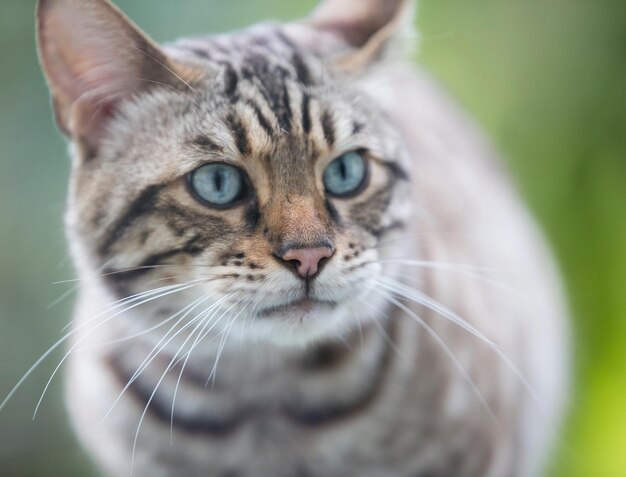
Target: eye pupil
(345, 175)
(219, 180)
(342, 169)
(218, 185)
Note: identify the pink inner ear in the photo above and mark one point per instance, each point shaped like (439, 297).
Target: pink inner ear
(92, 60)
(100, 76)
(93, 82)
(89, 62)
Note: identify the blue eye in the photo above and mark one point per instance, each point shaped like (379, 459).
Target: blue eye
(219, 185)
(345, 175)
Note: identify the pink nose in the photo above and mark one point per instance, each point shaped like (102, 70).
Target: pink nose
(307, 260)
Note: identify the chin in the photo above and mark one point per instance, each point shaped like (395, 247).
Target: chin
(307, 321)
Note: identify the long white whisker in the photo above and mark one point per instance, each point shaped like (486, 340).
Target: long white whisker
(226, 333)
(151, 294)
(63, 296)
(36, 364)
(163, 342)
(448, 266)
(87, 334)
(450, 354)
(470, 272)
(33, 367)
(434, 305)
(74, 288)
(167, 68)
(206, 333)
(419, 297)
(207, 322)
(148, 330)
(156, 387)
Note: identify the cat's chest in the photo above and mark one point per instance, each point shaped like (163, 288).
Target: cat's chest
(339, 410)
(260, 389)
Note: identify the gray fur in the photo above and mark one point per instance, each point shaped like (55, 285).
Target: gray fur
(369, 379)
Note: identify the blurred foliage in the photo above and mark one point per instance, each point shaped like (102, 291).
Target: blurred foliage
(547, 79)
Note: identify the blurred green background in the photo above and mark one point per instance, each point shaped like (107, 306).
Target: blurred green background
(546, 78)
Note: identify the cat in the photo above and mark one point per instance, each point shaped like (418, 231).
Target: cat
(296, 257)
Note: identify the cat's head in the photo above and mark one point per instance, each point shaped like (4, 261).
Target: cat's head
(255, 172)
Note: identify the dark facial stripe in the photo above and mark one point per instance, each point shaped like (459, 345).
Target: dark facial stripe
(200, 53)
(212, 426)
(203, 142)
(306, 113)
(253, 216)
(121, 280)
(263, 121)
(357, 127)
(271, 82)
(328, 127)
(231, 81)
(369, 214)
(185, 220)
(397, 171)
(333, 212)
(240, 134)
(302, 71)
(286, 40)
(141, 205)
(286, 115)
(382, 231)
(332, 412)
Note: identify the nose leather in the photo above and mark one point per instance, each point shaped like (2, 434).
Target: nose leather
(307, 259)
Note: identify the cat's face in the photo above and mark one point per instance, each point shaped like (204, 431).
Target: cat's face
(259, 178)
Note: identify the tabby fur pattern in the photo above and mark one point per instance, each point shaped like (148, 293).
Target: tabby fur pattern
(431, 343)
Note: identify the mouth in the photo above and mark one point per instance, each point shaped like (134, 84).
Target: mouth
(297, 307)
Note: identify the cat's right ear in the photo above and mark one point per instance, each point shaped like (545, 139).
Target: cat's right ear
(375, 30)
(94, 57)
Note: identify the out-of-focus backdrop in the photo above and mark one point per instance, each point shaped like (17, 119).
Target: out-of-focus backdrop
(546, 78)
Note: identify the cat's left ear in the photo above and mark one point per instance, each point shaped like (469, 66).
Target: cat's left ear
(94, 57)
(374, 29)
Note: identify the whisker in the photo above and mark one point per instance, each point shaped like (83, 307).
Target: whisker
(425, 300)
(471, 272)
(450, 354)
(36, 364)
(97, 326)
(207, 322)
(207, 332)
(166, 86)
(380, 328)
(447, 266)
(72, 289)
(156, 387)
(419, 297)
(167, 68)
(154, 294)
(126, 270)
(226, 333)
(60, 299)
(163, 342)
(430, 234)
(146, 331)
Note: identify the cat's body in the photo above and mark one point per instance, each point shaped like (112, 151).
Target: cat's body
(359, 379)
